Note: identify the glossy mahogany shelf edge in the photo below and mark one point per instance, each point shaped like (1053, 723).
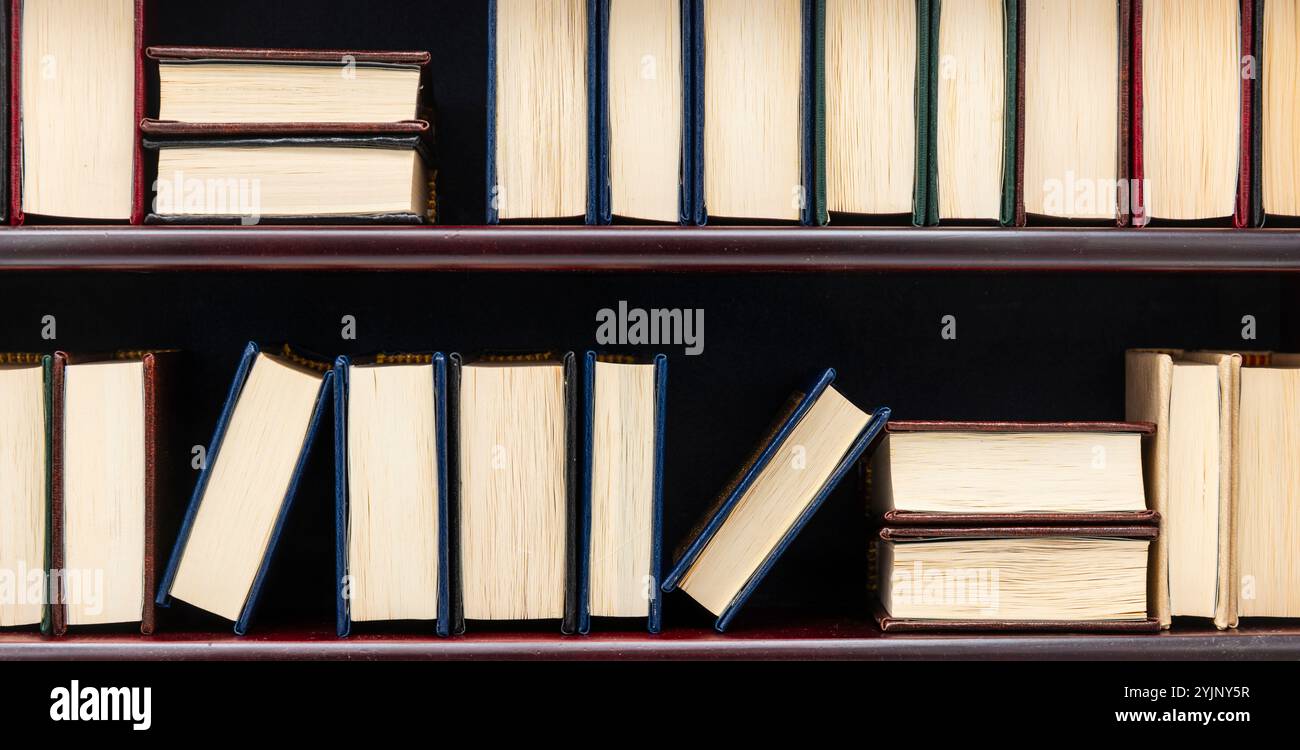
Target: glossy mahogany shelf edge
(818, 640)
(642, 249)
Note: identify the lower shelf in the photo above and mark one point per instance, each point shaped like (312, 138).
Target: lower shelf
(829, 639)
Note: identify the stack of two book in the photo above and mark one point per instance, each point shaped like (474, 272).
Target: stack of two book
(280, 135)
(1012, 526)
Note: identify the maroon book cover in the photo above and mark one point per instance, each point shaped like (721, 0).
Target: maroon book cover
(16, 116)
(157, 378)
(1241, 211)
(170, 128)
(890, 624)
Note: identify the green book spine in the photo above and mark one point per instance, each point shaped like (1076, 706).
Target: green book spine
(1010, 25)
(927, 133)
(47, 613)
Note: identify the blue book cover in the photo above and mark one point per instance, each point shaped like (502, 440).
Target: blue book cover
(654, 618)
(342, 383)
(494, 189)
(750, 473)
(250, 354)
(808, 118)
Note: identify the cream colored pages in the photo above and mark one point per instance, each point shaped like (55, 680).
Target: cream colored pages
(1192, 525)
(289, 181)
(1281, 95)
(22, 493)
(1191, 107)
(1148, 380)
(1016, 472)
(645, 108)
(1049, 578)
(1230, 462)
(622, 489)
(246, 487)
(1269, 528)
(771, 505)
(281, 92)
(512, 491)
(541, 109)
(752, 130)
(871, 48)
(103, 492)
(392, 493)
(1071, 147)
(78, 108)
(971, 108)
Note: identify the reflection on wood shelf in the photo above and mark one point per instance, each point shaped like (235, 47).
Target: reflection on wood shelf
(814, 639)
(708, 249)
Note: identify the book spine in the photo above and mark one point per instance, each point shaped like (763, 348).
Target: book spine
(1017, 101)
(456, 623)
(1124, 204)
(1013, 113)
(699, 209)
(343, 620)
(490, 161)
(655, 621)
(1257, 115)
(1241, 217)
(596, 101)
(930, 167)
(1137, 196)
(14, 100)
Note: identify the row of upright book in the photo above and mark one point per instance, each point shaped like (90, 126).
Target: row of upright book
(1010, 112)
(497, 488)
(861, 111)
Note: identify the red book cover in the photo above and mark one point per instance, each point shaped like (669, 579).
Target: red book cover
(158, 481)
(16, 122)
(1241, 211)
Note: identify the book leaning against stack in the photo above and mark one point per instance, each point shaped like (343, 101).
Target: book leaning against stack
(291, 136)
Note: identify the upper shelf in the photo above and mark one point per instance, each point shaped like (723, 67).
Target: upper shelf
(708, 249)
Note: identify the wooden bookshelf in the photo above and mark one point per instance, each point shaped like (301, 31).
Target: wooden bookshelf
(825, 639)
(780, 301)
(1045, 316)
(640, 249)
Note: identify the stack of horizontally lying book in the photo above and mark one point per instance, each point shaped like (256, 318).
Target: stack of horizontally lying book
(290, 135)
(1224, 478)
(1012, 525)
